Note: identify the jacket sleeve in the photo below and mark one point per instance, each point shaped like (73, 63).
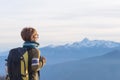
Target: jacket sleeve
(36, 63)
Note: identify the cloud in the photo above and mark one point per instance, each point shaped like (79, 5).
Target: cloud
(60, 21)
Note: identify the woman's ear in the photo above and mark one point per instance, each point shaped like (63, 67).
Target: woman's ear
(32, 38)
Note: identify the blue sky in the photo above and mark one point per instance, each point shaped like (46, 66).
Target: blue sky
(59, 21)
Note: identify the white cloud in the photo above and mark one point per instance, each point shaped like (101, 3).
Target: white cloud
(60, 21)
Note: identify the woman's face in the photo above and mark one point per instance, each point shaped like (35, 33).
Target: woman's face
(35, 36)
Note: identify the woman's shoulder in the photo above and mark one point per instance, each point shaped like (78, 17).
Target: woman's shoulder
(35, 49)
(35, 52)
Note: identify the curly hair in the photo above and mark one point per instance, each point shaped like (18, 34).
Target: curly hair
(27, 33)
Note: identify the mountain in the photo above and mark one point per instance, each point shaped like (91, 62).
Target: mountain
(2, 65)
(71, 52)
(105, 67)
(78, 50)
(5, 53)
(95, 43)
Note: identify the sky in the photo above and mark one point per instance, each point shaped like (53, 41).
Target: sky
(59, 21)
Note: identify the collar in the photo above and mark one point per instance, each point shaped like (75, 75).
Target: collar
(30, 44)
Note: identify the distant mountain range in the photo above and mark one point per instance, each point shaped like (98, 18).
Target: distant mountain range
(77, 51)
(85, 43)
(105, 67)
(95, 43)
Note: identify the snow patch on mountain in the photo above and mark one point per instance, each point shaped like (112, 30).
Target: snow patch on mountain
(95, 43)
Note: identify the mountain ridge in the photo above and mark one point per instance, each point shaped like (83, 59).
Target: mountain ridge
(100, 68)
(89, 43)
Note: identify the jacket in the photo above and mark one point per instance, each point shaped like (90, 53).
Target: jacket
(34, 61)
(35, 64)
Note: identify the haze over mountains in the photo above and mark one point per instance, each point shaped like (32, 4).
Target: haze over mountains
(84, 60)
(105, 67)
(78, 50)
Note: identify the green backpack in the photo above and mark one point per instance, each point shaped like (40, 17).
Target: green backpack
(17, 64)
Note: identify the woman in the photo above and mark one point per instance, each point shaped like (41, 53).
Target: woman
(30, 36)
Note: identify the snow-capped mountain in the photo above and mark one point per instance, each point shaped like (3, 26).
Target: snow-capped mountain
(95, 43)
(78, 50)
(74, 51)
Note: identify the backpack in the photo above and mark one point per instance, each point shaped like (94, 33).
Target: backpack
(17, 64)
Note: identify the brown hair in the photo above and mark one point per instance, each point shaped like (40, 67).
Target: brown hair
(27, 33)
